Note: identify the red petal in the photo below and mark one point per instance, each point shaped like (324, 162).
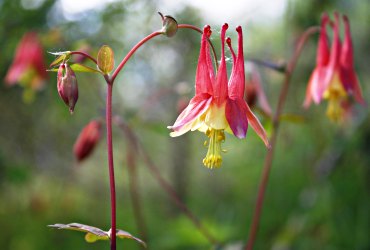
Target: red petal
(316, 85)
(334, 61)
(197, 106)
(204, 76)
(220, 85)
(256, 125)
(236, 83)
(236, 116)
(347, 73)
(322, 56)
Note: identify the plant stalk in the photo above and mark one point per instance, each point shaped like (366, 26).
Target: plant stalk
(276, 124)
(111, 165)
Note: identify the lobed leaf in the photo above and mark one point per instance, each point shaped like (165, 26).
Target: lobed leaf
(94, 234)
(62, 56)
(126, 235)
(76, 67)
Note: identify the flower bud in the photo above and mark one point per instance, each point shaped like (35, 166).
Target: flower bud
(105, 59)
(169, 25)
(87, 140)
(250, 95)
(67, 86)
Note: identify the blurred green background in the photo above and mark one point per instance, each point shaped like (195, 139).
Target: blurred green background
(318, 194)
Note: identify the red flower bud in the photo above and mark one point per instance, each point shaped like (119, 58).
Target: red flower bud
(87, 140)
(67, 86)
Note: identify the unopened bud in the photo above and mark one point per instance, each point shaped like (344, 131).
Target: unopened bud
(67, 86)
(169, 25)
(87, 140)
(105, 59)
(250, 94)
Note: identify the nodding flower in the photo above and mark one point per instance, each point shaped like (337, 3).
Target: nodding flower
(334, 77)
(28, 68)
(67, 86)
(218, 105)
(87, 140)
(254, 93)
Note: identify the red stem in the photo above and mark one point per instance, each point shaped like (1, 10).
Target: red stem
(85, 55)
(111, 165)
(132, 51)
(276, 122)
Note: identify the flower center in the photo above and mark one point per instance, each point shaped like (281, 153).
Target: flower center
(213, 158)
(335, 94)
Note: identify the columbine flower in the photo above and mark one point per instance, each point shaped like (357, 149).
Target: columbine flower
(28, 68)
(87, 140)
(334, 77)
(254, 92)
(218, 104)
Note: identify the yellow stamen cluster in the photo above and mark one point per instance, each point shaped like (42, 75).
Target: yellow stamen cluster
(335, 94)
(213, 158)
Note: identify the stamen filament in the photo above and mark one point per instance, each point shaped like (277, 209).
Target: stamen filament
(213, 158)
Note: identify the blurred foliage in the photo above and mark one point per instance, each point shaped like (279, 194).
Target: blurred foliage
(318, 195)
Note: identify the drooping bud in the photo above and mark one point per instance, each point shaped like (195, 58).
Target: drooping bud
(87, 140)
(169, 25)
(67, 86)
(105, 59)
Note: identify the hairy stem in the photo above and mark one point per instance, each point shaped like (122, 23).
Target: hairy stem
(111, 165)
(276, 123)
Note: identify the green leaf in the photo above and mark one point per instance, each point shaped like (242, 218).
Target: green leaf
(126, 235)
(82, 228)
(94, 234)
(76, 67)
(62, 56)
(105, 59)
(91, 238)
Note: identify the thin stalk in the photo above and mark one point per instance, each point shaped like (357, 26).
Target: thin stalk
(131, 158)
(111, 165)
(132, 51)
(163, 183)
(85, 55)
(192, 27)
(276, 123)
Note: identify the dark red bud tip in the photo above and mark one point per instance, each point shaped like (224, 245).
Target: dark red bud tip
(206, 29)
(324, 17)
(228, 41)
(345, 19)
(336, 15)
(225, 26)
(239, 29)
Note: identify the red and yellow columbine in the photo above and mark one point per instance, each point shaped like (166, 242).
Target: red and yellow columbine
(218, 104)
(334, 77)
(28, 68)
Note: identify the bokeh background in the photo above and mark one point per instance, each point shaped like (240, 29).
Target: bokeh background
(318, 194)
